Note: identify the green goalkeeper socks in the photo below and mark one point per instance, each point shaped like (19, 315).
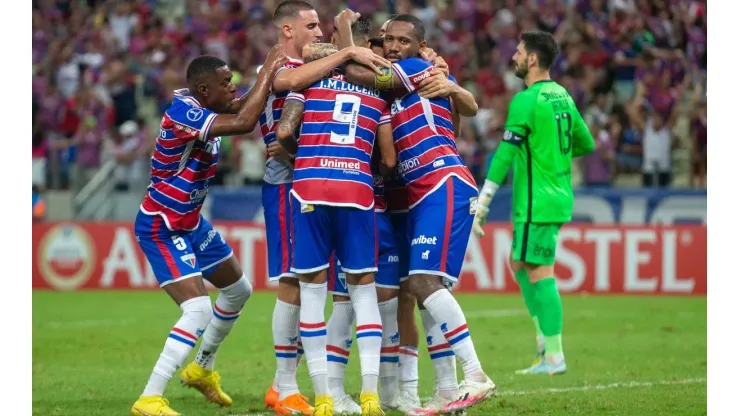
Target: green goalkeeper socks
(550, 317)
(530, 301)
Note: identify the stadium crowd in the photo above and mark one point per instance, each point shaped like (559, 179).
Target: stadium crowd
(103, 72)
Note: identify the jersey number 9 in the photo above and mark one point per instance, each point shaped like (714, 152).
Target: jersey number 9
(346, 111)
(565, 125)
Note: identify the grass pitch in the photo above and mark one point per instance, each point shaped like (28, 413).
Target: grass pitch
(93, 352)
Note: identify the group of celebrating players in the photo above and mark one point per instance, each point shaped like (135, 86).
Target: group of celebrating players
(365, 197)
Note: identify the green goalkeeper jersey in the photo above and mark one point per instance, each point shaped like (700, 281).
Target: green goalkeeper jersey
(543, 132)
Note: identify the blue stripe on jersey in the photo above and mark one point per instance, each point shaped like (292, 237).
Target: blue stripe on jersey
(450, 160)
(169, 202)
(169, 151)
(161, 166)
(309, 151)
(420, 121)
(427, 144)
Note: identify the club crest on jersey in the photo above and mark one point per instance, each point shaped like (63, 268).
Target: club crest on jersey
(194, 114)
(188, 259)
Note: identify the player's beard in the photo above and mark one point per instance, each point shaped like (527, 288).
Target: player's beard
(521, 70)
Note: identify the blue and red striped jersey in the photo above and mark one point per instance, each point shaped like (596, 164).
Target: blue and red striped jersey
(332, 164)
(424, 135)
(183, 162)
(276, 172)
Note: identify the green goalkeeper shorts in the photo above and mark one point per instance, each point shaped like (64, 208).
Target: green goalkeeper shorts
(535, 243)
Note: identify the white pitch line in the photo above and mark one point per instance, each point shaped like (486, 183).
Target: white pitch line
(495, 313)
(89, 323)
(618, 385)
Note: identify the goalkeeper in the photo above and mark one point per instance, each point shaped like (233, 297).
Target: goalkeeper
(543, 132)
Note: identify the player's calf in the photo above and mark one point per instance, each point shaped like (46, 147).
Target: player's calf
(196, 315)
(338, 344)
(442, 356)
(388, 306)
(286, 340)
(364, 298)
(409, 343)
(313, 330)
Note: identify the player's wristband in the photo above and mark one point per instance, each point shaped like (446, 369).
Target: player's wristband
(486, 193)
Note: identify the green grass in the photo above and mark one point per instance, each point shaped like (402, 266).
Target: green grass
(93, 352)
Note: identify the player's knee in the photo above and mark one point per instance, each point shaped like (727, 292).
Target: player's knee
(198, 310)
(537, 272)
(424, 285)
(515, 265)
(340, 298)
(385, 293)
(289, 291)
(239, 292)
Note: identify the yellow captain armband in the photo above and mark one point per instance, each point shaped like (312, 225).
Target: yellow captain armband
(385, 81)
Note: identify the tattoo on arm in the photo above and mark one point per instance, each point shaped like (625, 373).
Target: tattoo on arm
(317, 51)
(290, 119)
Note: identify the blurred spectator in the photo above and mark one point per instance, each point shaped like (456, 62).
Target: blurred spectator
(39, 204)
(699, 141)
(131, 54)
(252, 160)
(129, 150)
(657, 140)
(598, 167)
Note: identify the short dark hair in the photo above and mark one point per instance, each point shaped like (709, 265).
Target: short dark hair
(290, 8)
(362, 27)
(543, 45)
(376, 42)
(203, 66)
(419, 30)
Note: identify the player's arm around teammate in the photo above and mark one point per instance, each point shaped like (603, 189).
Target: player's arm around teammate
(182, 247)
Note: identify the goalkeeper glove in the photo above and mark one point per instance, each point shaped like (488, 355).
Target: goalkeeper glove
(481, 211)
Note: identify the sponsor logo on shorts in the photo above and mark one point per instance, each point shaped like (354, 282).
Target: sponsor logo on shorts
(306, 208)
(422, 239)
(393, 259)
(211, 235)
(425, 255)
(473, 205)
(188, 259)
(543, 251)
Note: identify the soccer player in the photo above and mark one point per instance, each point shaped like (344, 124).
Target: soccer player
(442, 193)
(181, 246)
(332, 202)
(339, 326)
(298, 25)
(543, 132)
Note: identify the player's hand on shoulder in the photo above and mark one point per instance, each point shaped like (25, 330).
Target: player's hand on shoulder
(275, 58)
(366, 57)
(427, 54)
(277, 151)
(437, 85)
